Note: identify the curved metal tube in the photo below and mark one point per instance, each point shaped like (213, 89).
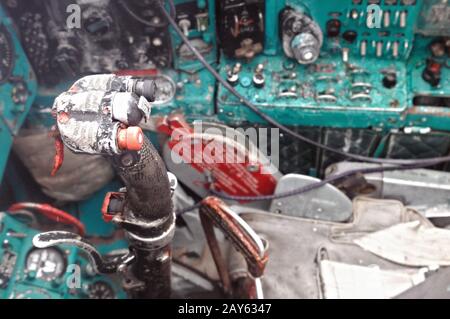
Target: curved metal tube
(99, 264)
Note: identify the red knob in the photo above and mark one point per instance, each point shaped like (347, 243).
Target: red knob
(130, 139)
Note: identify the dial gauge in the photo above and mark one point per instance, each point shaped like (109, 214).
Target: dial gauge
(165, 89)
(47, 263)
(101, 290)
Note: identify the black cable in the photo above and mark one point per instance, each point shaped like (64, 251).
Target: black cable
(306, 188)
(141, 20)
(270, 120)
(310, 187)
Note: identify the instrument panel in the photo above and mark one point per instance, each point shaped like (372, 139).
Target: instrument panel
(27, 272)
(355, 63)
(328, 64)
(17, 86)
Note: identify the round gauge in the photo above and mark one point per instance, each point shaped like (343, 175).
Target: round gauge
(47, 263)
(165, 89)
(6, 54)
(100, 290)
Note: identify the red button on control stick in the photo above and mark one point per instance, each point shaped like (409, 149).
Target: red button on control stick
(130, 139)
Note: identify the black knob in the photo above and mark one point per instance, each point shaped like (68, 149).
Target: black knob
(333, 28)
(432, 73)
(259, 80)
(233, 78)
(350, 36)
(389, 80)
(437, 48)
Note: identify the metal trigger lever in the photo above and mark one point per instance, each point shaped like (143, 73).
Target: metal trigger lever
(214, 212)
(100, 264)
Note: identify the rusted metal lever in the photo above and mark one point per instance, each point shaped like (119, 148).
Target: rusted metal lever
(214, 212)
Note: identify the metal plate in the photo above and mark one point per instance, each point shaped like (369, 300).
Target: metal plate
(325, 203)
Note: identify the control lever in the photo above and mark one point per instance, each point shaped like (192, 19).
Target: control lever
(214, 212)
(99, 115)
(100, 264)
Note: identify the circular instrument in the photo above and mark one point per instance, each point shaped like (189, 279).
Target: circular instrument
(47, 263)
(100, 290)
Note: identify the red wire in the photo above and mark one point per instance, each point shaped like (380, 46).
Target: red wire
(52, 213)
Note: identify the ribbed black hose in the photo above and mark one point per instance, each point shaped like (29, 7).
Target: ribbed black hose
(148, 202)
(147, 183)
